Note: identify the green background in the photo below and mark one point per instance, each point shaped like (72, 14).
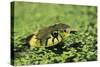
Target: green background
(30, 17)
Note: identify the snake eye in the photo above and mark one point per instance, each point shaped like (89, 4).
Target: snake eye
(55, 32)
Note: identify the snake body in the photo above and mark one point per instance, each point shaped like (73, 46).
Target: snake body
(49, 36)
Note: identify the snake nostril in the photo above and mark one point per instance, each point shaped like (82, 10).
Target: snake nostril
(65, 31)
